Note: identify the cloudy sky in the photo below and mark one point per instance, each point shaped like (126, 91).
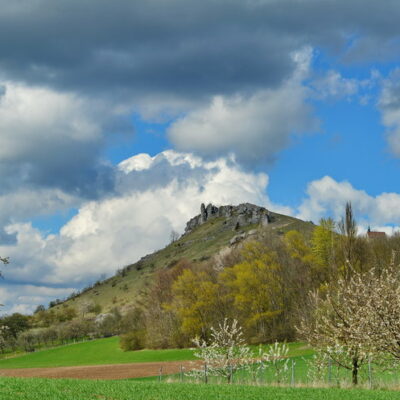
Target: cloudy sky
(117, 119)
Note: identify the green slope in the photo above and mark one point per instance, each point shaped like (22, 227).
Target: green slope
(107, 351)
(95, 352)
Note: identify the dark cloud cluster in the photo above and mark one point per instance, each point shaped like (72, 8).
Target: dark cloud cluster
(187, 48)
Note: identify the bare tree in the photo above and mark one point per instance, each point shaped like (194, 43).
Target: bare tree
(173, 236)
(4, 260)
(348, 229)
(86, 307)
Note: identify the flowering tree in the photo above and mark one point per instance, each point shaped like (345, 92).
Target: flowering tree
(337, 325)
(359, 320)
(226, 352)
(276, 356)
(381, 293)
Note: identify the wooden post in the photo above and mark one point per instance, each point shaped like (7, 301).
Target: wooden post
(181, 373)
(205, 373)
(369, 373)
(160, 374)
(293, 371)
(330, 371)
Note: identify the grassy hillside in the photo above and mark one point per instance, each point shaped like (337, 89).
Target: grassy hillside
(107, 351)
(205, 241)
(66, 389)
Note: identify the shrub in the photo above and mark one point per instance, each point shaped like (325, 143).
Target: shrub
(134, 340)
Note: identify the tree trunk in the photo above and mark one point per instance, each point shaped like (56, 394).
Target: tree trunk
(355, 371)
(230, 374)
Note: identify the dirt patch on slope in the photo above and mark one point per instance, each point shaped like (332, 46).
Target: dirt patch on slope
(109, 371)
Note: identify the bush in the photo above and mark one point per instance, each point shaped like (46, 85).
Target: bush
(133, 340)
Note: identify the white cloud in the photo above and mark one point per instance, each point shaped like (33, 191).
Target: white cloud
(24, 203)
(389, 105)
(334, 85)
(254, 127)
(327, 197)
(25, 298)
(30, 116)
(51, 139)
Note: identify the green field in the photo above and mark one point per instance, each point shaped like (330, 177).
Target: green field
(67, 389)
(96, 352)
(107, 351)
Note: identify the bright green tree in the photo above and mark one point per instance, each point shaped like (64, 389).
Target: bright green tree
(323, 245)
(195, 301)
(256, 288)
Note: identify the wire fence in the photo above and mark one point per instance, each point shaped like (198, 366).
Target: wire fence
(297, 374)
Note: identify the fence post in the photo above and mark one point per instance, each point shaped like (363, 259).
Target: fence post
(160, 374)
(181, 374)
(205, 373)
(329, 371)
(293, 373)
(266, 373)
(369, 373)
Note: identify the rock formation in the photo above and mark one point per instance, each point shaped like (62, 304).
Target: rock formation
(236, 217)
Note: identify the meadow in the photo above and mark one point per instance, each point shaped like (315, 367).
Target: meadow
(65, 389)
(94, 352)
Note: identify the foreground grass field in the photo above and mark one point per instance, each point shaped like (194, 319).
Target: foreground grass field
(96, 352)
(64, 389)
(107, 351)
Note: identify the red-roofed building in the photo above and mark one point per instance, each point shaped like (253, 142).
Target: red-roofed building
(374, 234)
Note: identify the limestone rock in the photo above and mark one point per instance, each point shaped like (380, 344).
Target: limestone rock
(236, 217)
(100, 318)
(236, 239)
(203, 213)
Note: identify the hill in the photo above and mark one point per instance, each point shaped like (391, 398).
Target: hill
(207, 234)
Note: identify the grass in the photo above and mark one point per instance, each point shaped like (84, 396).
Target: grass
(96, 352)
(67, 389)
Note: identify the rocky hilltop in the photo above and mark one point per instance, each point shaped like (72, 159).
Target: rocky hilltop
(236, 217)
(214, 230)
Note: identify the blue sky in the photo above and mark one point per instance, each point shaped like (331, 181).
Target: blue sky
(118, 120)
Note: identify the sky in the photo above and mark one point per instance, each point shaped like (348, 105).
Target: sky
(118, 119)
